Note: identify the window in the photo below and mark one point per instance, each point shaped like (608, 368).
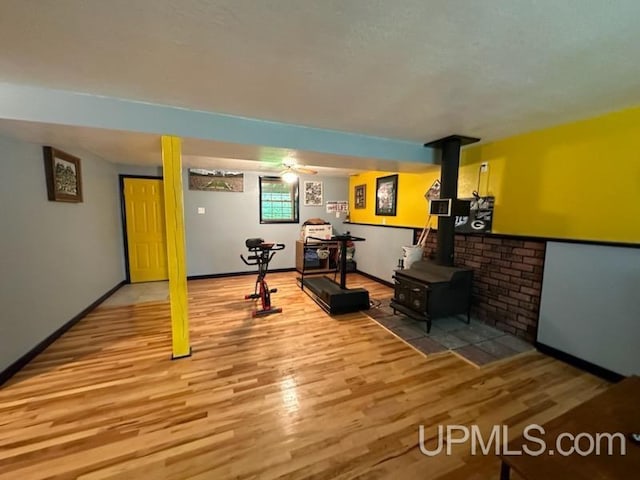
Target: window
(278, 201)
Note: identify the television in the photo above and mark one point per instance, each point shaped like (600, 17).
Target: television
(447, 207)
(440, 207)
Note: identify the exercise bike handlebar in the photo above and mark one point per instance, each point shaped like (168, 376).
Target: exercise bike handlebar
(264, 248)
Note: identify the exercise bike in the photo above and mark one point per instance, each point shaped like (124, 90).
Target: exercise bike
(261, 255)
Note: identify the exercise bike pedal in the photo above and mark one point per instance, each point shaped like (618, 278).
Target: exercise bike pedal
(273, 290)
(252, 296)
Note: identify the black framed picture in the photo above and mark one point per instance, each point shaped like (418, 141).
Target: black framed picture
(386, 195)
(360, 193)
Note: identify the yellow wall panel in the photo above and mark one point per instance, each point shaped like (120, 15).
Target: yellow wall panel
(575, 181)
(412, 206)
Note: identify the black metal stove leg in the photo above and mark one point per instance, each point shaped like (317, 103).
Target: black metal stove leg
(469, 316)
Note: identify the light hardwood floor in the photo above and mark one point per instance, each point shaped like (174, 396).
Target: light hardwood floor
(293, 395)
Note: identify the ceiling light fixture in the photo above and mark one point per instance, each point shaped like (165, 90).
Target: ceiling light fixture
(289, 176)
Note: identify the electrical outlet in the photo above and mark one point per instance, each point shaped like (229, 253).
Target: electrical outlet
(201, 210)
(484, 167)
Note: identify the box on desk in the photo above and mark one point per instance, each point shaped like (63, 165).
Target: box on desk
(319, 231)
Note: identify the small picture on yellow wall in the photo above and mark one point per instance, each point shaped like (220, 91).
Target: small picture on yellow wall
(360, 192)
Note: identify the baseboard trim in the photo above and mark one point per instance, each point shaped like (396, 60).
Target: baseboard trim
(579, 363)
(19, 364)
(376, 279)
(236, 274)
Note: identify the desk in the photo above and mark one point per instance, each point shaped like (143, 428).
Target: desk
(615, 410)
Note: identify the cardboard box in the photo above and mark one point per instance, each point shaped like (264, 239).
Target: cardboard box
(319, 231)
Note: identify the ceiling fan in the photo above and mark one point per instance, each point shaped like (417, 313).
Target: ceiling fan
(292, 169)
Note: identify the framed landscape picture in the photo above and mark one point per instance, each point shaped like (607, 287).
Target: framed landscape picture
(215, 180)
(63, 176)
(360, 196)
(313, 194)
(386, 195)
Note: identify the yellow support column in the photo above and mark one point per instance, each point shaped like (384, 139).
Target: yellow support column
(176, 258)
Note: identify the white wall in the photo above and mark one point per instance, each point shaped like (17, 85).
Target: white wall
(55, 258)
(589, 306)
(378, 255)
(215, 240)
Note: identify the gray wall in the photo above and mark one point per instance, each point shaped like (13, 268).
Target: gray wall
(215, 240)
(56, 258)
(590, 307)
(378, 255)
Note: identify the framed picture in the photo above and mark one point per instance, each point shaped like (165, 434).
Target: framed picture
(434, 191)
(480, 216)
(63, 175)
(360, 196)
(215, 180)
(386, 195)
(313, 194)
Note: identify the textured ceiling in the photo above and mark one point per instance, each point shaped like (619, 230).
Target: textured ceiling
(409, 69)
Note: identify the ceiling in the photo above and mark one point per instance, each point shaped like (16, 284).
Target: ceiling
(405, 69)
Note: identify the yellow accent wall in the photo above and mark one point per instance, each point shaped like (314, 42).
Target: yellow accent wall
(576, 181)
(411, 210)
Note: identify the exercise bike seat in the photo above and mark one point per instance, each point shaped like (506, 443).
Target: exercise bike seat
(253, 242)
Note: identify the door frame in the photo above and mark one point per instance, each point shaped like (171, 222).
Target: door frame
(123, 215)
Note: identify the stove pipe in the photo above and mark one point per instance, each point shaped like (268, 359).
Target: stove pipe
(450, 166)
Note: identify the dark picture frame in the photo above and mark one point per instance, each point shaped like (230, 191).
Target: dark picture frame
(63, 175)
(360, 196)
(386, 195)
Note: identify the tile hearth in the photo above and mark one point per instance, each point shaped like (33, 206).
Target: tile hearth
(477, 342)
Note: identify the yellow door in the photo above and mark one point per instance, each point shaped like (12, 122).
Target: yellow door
(146, 235)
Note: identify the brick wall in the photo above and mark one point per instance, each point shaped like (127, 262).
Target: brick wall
(507, 279)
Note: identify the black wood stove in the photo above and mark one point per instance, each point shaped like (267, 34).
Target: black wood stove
(428, 289)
